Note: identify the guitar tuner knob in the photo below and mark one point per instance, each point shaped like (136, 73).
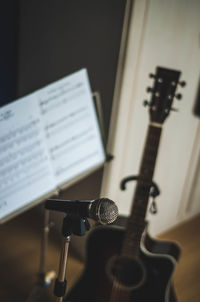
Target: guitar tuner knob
(178, 96)
(182, 83)
(152, 76)
(149, 89)
(174, 109)
(145, 103)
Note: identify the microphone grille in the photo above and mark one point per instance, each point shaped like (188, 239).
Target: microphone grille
(106, 210)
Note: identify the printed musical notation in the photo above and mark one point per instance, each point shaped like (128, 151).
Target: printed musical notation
(47, 139)
(17, 137)
(66, 121)
(25, 169)
(62, 169)
(70, 126)
(61, 95)
(22, 155)
(6, 115)
(72, 143)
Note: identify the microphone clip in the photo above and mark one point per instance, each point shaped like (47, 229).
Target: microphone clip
(74, 224)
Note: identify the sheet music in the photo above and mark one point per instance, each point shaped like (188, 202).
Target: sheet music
(25, 169)
(71, 126)
(47, 138)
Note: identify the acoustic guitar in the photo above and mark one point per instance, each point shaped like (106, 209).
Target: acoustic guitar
(126, 264)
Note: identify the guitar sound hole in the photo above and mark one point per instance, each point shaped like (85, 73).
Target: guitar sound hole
(128, 272)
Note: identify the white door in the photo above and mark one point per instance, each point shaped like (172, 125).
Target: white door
(167, 34)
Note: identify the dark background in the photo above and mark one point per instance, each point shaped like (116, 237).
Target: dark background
(8, 50)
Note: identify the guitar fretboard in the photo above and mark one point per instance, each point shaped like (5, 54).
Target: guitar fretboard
(136, 220)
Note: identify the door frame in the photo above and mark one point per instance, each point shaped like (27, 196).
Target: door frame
(123, 103)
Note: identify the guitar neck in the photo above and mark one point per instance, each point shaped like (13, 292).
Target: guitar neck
(136, 220)
(163, 93)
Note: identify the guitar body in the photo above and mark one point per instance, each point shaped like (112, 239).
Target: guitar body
(158, 259)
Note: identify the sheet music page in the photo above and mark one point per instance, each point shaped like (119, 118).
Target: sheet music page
(71, 127)
(25, 169)
(47, 138)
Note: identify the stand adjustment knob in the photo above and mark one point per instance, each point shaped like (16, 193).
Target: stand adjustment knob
(178, 96)
(182, 83)
(149, 89)
(146, 103)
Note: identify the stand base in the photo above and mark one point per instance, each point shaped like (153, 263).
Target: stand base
(43, 290)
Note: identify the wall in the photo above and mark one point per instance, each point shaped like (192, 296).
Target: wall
(8, 52)
(162, 33)
(59, 37)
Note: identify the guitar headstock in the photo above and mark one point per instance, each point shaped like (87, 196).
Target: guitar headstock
(163, 93)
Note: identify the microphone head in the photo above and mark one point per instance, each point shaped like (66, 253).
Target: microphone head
(103, 210)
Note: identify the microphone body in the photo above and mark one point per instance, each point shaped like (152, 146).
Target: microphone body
(102, 210)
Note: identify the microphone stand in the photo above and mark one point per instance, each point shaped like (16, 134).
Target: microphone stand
(77, 223)
(61, 283)
(40, 291)
(72, 224)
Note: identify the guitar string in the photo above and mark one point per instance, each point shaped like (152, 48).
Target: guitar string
(119, 294)
(116, 293)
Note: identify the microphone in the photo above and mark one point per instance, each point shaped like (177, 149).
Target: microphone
(102, 210)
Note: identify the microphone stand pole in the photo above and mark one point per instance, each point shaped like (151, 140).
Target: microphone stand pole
(61, 282)
(72, 224)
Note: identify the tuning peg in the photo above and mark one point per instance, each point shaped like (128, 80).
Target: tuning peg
(174, 109)
(145, 103)
(149, 89)
(178, 96)
(182, 83)
(151, 75)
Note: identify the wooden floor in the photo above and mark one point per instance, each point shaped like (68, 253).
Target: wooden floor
(187, 274)
(19, 260)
